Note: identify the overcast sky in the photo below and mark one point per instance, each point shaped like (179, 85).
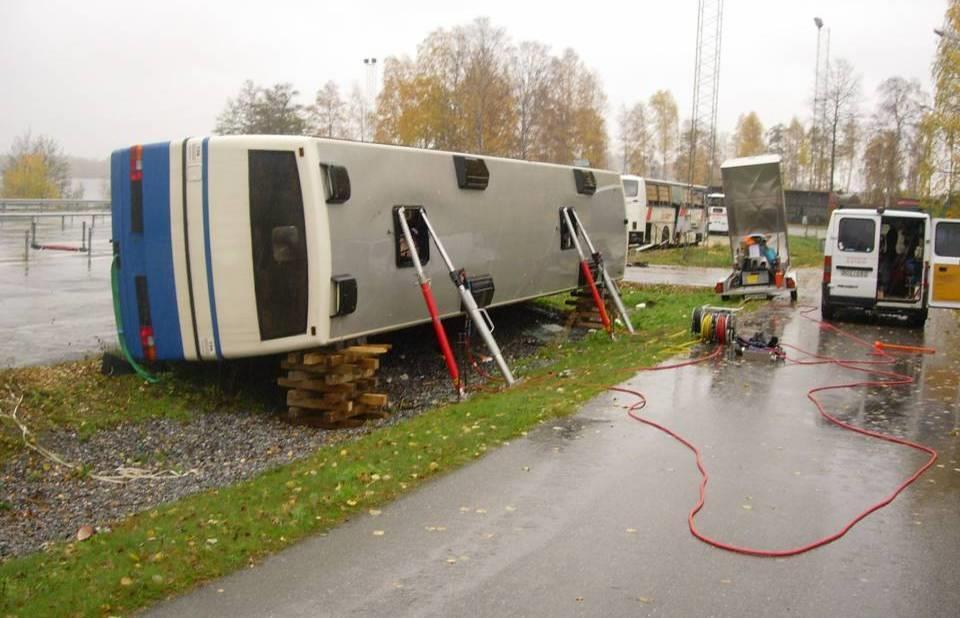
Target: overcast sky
(98, 75)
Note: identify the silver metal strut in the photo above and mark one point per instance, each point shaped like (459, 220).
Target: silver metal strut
(485, 326)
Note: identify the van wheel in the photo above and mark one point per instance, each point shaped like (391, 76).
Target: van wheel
(919, 318)
(827, 311)
(793, 296)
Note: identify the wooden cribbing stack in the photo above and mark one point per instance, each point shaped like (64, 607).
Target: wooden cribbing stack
(585, 313)
(334, 388)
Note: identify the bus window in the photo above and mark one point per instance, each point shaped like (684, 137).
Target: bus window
(279, 243)
(631, 188)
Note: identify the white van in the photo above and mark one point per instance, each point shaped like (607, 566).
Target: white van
(891, 262)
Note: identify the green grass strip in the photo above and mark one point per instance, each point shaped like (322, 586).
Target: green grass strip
(172, 548)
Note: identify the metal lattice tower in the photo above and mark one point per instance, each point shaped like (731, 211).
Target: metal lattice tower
(706, 85)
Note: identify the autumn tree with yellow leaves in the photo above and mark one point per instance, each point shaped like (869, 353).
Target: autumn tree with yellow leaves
(939, 135)
(748, 136)
(36, 168)
(470, 89)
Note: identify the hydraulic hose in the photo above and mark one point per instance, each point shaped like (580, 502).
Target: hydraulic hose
(864, 366)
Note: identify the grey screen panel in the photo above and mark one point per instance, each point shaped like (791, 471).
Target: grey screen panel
(753, 195)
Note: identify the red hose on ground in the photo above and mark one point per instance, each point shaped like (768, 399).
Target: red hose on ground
(864, 366)
(441, 334)
(588, 276)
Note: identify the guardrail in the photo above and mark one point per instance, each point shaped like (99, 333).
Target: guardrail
(52, 206)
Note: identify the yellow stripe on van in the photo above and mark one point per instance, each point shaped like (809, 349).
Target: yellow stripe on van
(946, 282)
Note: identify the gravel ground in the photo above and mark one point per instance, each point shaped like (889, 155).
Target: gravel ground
(41, 502)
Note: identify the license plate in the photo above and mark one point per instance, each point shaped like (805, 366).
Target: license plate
(753, 279)
(847, 272)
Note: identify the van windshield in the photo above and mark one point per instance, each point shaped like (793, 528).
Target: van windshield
(856, 235)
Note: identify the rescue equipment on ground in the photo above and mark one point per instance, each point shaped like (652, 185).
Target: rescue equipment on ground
(714, 324)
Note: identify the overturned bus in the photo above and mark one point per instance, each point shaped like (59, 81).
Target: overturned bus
(240, 246)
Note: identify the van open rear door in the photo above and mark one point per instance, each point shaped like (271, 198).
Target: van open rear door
(945, 264)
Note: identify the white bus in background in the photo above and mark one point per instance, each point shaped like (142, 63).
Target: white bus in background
(663, 212)
(636, 208)
(716, 215)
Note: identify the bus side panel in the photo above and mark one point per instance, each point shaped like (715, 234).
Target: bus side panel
(123, 246)
(158, 252)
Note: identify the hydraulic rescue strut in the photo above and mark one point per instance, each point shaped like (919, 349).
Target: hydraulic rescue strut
(431, 304)
(479, 316)
(585, 269)
(607, 280)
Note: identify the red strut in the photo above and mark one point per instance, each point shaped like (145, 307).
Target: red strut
(441, 334)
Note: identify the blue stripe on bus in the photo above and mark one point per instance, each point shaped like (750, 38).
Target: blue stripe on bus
(158, 252)
(149, 254)
(206, 247)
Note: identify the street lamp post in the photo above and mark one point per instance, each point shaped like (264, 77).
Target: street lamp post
(371, 76)
(816, 93)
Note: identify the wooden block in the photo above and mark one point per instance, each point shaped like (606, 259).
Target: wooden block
(368, 350)
(369, 363)
(334, 378)
(293, 357)
(349, 388)
(314, 358)
(299, 367)
(299, 375)
(345, 369)
(374, 400)
(335, 397)
(304, 399)
(307, 385)
(335, 359)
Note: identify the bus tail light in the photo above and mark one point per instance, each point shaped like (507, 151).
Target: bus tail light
(136, 163)
(147, 341)
(136, 189)
(148, 344)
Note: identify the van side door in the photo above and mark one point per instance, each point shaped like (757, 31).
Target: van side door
(856, 257)
(945, 264)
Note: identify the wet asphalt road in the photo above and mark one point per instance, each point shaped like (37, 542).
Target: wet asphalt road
(56, 305)
(587, 516)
